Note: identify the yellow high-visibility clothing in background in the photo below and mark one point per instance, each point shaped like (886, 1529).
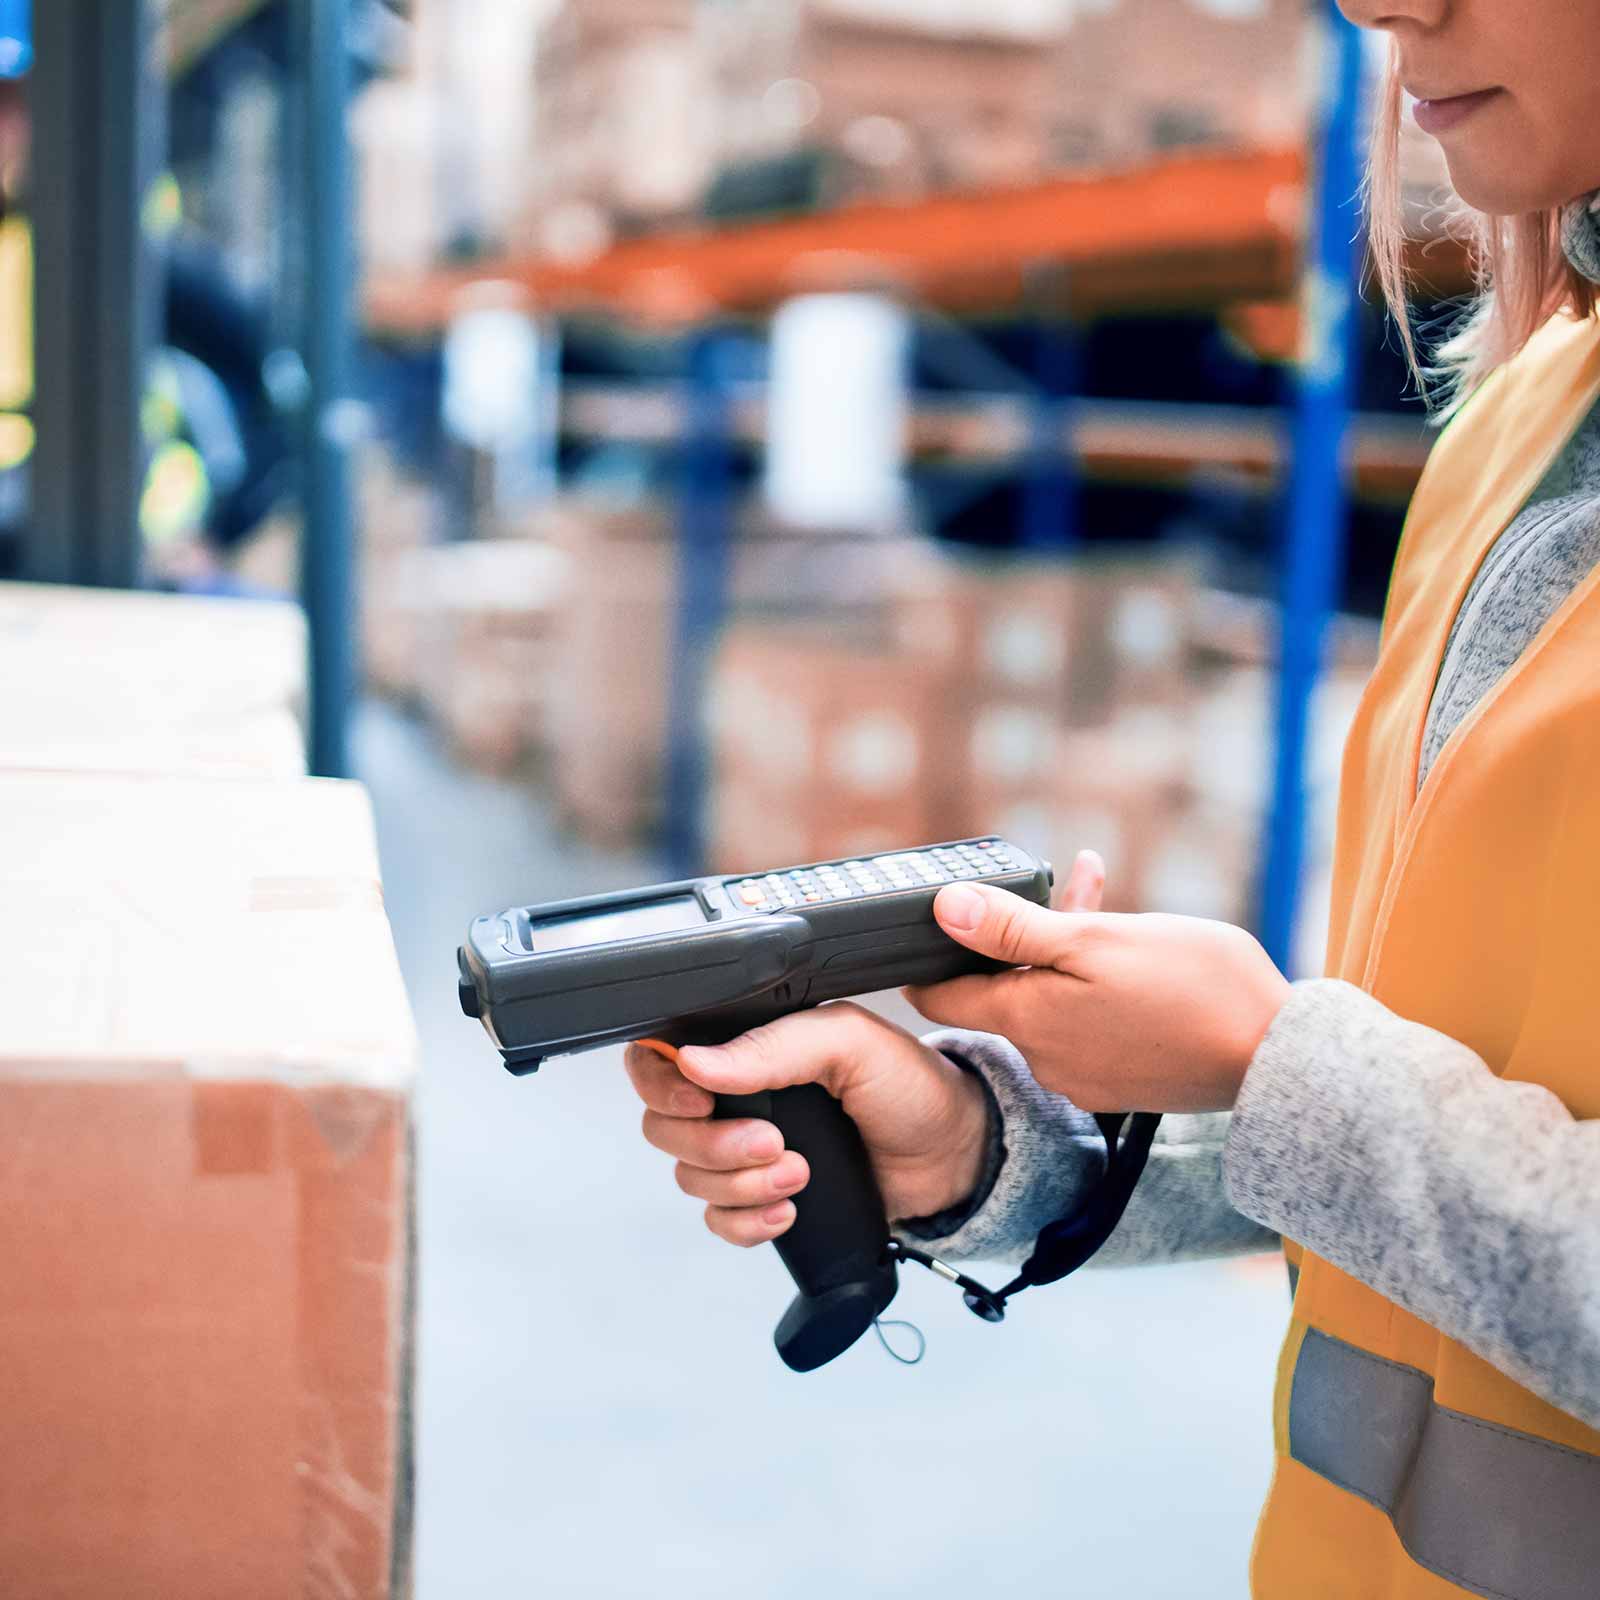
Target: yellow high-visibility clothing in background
(1407, 1467)
(16, 342)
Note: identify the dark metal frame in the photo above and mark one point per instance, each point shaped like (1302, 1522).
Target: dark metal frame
(332, 421)
(98, 130)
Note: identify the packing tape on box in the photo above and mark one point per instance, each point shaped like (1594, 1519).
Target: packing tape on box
(234, 1122)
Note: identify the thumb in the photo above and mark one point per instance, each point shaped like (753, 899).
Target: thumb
(997, 923)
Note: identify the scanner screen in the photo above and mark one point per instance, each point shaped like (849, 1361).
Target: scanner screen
(617, 922)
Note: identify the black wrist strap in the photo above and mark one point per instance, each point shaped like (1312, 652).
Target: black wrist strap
(1068, 1242)
(1065, 1244)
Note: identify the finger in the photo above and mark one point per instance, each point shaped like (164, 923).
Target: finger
(1085, 884)
(979, 1001)
(746, 1227)
(662, 1087)
(997, 923)
(719, 1146)
(750, 1186)
(817, 1046)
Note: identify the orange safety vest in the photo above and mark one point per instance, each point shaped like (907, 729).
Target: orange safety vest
(1407, 1467)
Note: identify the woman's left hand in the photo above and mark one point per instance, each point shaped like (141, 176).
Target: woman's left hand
(1116, 1011)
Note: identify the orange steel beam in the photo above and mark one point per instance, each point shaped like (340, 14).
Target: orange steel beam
(1192, 229)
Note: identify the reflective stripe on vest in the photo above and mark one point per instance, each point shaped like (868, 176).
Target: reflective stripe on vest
(1499, 1512)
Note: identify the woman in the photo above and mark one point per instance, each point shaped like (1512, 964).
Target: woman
(1423, 1120)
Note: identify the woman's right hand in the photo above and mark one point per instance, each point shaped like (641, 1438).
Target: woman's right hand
(923, 1119)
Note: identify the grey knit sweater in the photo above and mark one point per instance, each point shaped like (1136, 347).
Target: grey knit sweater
(1384, 1146)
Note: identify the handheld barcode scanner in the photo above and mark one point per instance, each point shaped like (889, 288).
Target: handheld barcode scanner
(706, 959)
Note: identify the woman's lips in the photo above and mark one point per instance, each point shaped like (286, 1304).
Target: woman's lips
(1437, 116)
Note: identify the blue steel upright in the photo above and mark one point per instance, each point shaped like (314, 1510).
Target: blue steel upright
(1049, 509)
(705, 499)
(331, 419)
(1314, 525)
(16, 37)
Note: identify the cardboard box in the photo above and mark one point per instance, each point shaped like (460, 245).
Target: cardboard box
(1136, 631)
(1072, 635)
(206, 1060)
(623, 116)
(617, 634)
(1039, 648)
(1142, 78)
(1203, 862)
(485, 644)
(1242, 630)
(913, 103)
(1003, 629)
(1207, 857)
(611, 676)
(395, 519)
(821, 748)
(1110, 789)
(1230, 743)
(153, 683)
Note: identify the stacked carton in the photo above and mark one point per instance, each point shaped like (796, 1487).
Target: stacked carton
(623, 125)
(616, 638)
(1024, 696)
(1038, 647)
(643, 106)
(395, 517)
(824, 747)
(608, 710)
(1115, 790)
(1230, 757)
(1003, 638)
(901, 105)
(1178, 805)
(1147, 76)
(205, 1183)
(1108, 703)
(104, 681)
(486, 623)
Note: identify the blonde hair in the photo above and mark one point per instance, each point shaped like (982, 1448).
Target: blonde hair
(1521, 276)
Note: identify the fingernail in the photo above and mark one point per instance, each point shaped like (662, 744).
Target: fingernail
(960, 906)
(773, 1215)
(762, 1146)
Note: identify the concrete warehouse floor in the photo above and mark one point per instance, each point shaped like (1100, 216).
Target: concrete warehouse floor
(600, 1409)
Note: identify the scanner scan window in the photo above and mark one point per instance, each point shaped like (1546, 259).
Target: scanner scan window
(618, 922)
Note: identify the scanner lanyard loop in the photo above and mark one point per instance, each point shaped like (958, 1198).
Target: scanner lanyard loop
(1067, 1243)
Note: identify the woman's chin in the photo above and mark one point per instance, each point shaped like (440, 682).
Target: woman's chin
(1487, 186)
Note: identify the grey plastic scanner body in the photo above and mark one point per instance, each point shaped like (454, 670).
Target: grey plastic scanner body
(710, 965)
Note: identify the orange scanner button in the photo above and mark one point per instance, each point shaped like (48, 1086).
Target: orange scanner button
(670, 1051)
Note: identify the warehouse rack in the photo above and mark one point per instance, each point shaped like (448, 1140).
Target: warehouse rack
(97, 104)
(1157, 442)
(1220, 232)
(1265, 236)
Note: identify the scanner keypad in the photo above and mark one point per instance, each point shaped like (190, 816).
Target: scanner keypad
(886, 874)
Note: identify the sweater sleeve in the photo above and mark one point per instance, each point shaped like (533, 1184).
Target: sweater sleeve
(1394, 1152)
(1045, 1155)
